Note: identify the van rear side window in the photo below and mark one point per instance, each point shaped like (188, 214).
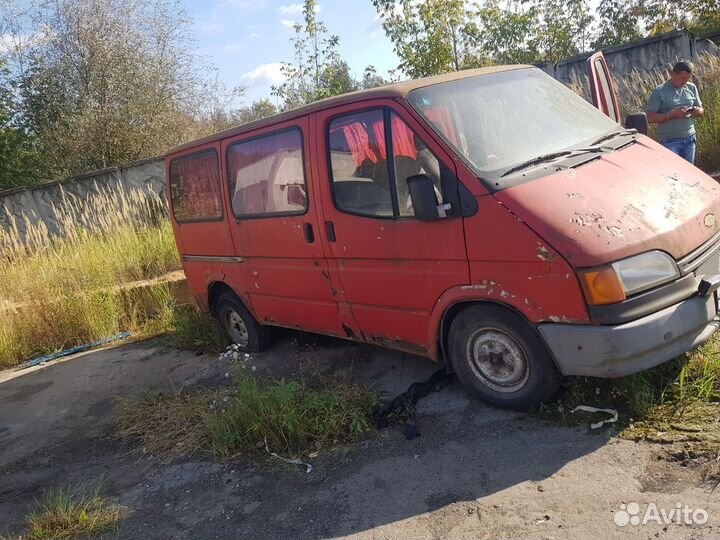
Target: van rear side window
(195, 187)
(266, 175)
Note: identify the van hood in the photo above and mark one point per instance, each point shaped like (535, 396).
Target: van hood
(639, 198)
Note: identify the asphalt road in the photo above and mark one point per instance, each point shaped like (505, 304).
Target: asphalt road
(474, 472)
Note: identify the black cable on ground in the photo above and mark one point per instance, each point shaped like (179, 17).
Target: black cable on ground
(402, 408)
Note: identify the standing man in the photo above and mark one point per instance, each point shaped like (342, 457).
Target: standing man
(673, 106)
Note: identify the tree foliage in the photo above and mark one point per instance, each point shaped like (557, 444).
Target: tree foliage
(437, 36)
(431, 37)
(660, 16)
(371, 79)
(310, 77)
(262, 108)
(617, 23)
(104, 82)
(87, 84)
(108, 82)
(19, 162)
(318, 71)
(564, 27)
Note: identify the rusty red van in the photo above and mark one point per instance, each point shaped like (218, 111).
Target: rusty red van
(489, 218)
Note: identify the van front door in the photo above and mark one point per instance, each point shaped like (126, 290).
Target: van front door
(602, 87)
(391, 267)
(275, 229)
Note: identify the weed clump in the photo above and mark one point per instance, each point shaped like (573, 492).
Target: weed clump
(67, 513)
(287, 416)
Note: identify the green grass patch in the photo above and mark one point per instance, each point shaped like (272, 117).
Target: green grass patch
(64, 514)
(294, 417)
(186, 327)
(676, 403)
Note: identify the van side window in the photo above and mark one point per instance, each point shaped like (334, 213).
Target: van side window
(411, 157)
(361, 169)
(195, 187)
(266, 175)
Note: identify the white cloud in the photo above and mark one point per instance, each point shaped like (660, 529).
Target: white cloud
(291, 9)
(263, 74)
(287, 23)
(296, 9)
(13, 43)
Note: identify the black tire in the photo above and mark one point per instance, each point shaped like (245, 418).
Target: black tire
(500, 359)
(240, 325)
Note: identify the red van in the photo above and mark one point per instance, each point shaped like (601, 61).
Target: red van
(489, 218)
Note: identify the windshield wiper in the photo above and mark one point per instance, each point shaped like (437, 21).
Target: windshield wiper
(614, 134)
(553, 156)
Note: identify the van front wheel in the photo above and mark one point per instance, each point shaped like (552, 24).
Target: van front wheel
(240, 325)
(500, 359)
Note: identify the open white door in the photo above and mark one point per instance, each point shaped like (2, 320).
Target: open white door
(601, 86)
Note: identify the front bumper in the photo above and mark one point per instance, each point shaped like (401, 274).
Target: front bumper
(618, 350)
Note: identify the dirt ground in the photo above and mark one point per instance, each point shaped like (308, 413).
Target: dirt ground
(475, 471)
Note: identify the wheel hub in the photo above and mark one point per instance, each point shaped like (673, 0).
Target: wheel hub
(237, 329)
(498, 360)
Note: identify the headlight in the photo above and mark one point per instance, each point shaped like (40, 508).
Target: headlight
(645, 271)
(615, 282)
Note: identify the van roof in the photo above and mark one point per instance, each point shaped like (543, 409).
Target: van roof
(393, 91)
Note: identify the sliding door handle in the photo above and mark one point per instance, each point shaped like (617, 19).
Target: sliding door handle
(330, 231)
(309, 234)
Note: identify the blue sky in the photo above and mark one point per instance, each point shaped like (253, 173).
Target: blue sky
(248, 39)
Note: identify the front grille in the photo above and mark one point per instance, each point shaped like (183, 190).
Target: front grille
(690, 263)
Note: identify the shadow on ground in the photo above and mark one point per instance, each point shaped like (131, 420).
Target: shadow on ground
(474, 471)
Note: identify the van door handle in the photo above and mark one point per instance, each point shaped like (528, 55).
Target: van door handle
(309, 234)
(330, 231)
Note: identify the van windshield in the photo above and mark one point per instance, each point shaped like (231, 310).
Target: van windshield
(500, 120)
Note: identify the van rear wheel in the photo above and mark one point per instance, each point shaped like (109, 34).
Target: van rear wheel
(500, 358)
(240, 325)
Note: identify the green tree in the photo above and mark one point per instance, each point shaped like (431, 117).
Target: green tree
(698, 16)
(110, 81)
(430, 37)
(316, 59)
(19, 162)
(371, 79)
(564, 27)
(507, 35)
(336, 79)
(318, 71)
(437, 36)
(262, 108)
(617, 23)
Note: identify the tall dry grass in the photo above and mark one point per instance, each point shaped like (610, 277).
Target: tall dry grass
(636, 88)
(67, 288)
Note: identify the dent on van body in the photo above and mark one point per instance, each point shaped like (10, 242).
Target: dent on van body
(512, 265)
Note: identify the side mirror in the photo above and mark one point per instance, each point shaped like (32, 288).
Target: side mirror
(422, 195)
(637, 121)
